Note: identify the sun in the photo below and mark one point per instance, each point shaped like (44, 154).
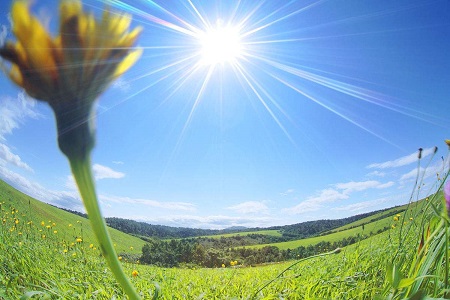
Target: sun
(219, 45)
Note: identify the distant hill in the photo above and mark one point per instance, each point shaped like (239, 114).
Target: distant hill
(145, 230)
(288, 232)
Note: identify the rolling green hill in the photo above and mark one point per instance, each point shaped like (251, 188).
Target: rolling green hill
(53, 221)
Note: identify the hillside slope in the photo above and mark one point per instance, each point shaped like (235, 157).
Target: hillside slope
(55, 221)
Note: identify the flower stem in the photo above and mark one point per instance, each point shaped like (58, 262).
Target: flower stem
(81, 169)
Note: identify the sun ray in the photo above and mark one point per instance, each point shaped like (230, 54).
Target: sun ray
(348, 89)
(251, 83)
(282, 18)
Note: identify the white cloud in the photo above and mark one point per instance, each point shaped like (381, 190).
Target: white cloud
(316, 203)
(66, 199)
(424, 173)
(118, 162)
(121, 84)
(402, 161)
(376, 173)
(364, 206)
(250, 207)
(152, 203)
(6, 156)
(208, 222)
(287, 192)
(103, 172)
(341, 191)
(14, 111)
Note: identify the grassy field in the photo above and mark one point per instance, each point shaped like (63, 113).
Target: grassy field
(67, 225)
(37, 263)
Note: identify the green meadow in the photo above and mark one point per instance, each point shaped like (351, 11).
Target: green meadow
(47, 253)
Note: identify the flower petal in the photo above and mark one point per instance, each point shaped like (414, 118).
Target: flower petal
(127, 62)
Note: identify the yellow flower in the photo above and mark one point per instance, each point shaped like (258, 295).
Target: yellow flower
(223, 265)
(395, 218)
(91, 246)
(79, 240)
(55, 231)
(131, 248)
(411, 219)
(134, 273)
(70, 225)
(71, 70)
(120, 257)
(42, 223)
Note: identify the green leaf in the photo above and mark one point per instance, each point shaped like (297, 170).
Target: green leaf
(393, 275)
(405, 282)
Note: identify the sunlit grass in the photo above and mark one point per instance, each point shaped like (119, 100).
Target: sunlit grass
(36, 261)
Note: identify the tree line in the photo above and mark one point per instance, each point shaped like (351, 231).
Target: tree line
(195, 252)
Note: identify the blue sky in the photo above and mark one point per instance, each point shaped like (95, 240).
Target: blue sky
(318, 112)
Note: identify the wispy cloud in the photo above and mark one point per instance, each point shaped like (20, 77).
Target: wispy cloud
(152, 203)
(402, 161)
(250, 207)
(7, 157)
(376, 173)
(352, 186)
(66, 199)
(121, 84)
(14, 112)
(208, 222)
(315, 203)
(103, 172)
(287, 192)
(339, 191)
(362, 207)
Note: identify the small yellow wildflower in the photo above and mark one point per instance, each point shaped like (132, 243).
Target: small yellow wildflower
(411, 219)
(74, 254)
(48, 226)
(79, 240)
(91, 246)
(131, 248)
(72, 244)
(393, 226)
(55, 231)
(134, 273)
(70, 225)
(398, 215)
(223, 265)
(43, 236)
(53, 224)
(16, 221)
(42, 223)
(65, 250)
(395, 218)
(120, 257)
